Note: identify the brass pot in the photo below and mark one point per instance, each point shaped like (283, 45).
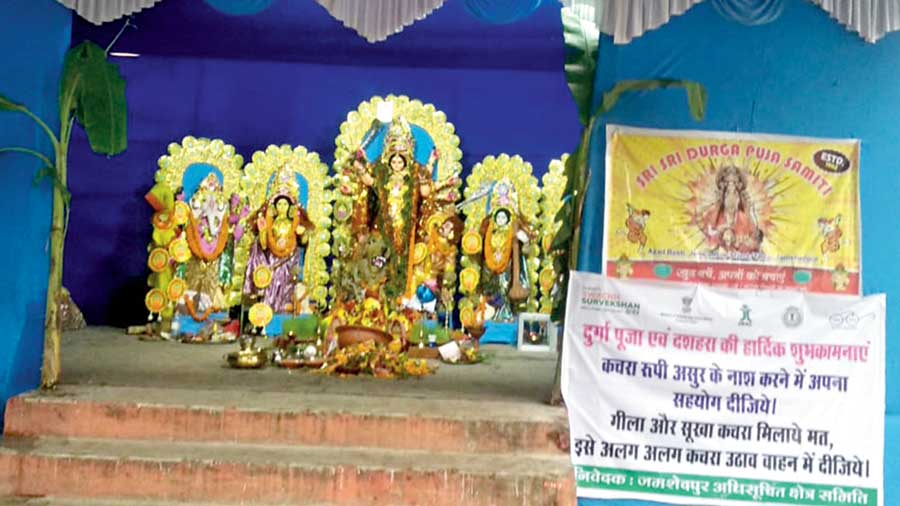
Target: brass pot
(246, 359)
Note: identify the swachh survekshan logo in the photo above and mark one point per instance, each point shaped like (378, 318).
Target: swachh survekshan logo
(598, 300)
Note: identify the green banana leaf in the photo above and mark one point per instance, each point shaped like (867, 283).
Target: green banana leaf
(91, 89)
(8, 105)
(577, 172)
(94, 90)
(582, 40)
(696, 94)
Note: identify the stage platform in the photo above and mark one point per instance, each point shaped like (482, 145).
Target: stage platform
(106, 356)
(159, 422)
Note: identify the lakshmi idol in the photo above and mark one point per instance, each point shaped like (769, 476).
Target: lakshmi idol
(282, 229)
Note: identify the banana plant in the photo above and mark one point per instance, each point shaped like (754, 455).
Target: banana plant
(91, 92)
(582, 40)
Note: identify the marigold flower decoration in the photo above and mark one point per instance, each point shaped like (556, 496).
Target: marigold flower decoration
(377, 360)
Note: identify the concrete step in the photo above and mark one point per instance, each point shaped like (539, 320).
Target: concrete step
(66, 501)
(261, 474)
(286, 418)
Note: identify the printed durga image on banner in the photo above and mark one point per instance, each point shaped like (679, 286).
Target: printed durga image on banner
(732, 209)
(758, 211)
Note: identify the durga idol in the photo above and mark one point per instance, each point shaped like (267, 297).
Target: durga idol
(401, 186)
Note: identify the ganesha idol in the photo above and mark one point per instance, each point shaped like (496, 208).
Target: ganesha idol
(286, 275)
(197, 226)
(396, 184)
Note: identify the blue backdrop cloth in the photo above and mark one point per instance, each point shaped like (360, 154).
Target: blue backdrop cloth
(255, 90)
(502, 11)
(240, 7)
(30, 75)
(750, 12)
(803, 75)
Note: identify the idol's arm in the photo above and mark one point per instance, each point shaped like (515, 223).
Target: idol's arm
(262, 226)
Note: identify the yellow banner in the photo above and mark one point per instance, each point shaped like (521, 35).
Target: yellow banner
(738, 210)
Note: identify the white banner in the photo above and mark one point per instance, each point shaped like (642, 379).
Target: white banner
(688, 394)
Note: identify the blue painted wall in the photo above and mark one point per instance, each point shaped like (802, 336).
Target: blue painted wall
(34, 35)
(803, 74)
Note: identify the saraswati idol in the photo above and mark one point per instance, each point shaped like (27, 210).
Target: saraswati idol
(500, 262)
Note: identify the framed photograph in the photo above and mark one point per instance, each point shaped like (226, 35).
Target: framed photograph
(536, 333)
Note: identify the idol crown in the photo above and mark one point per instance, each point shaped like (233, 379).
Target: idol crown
(285, 183)
(210, 183)
(399, 137)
